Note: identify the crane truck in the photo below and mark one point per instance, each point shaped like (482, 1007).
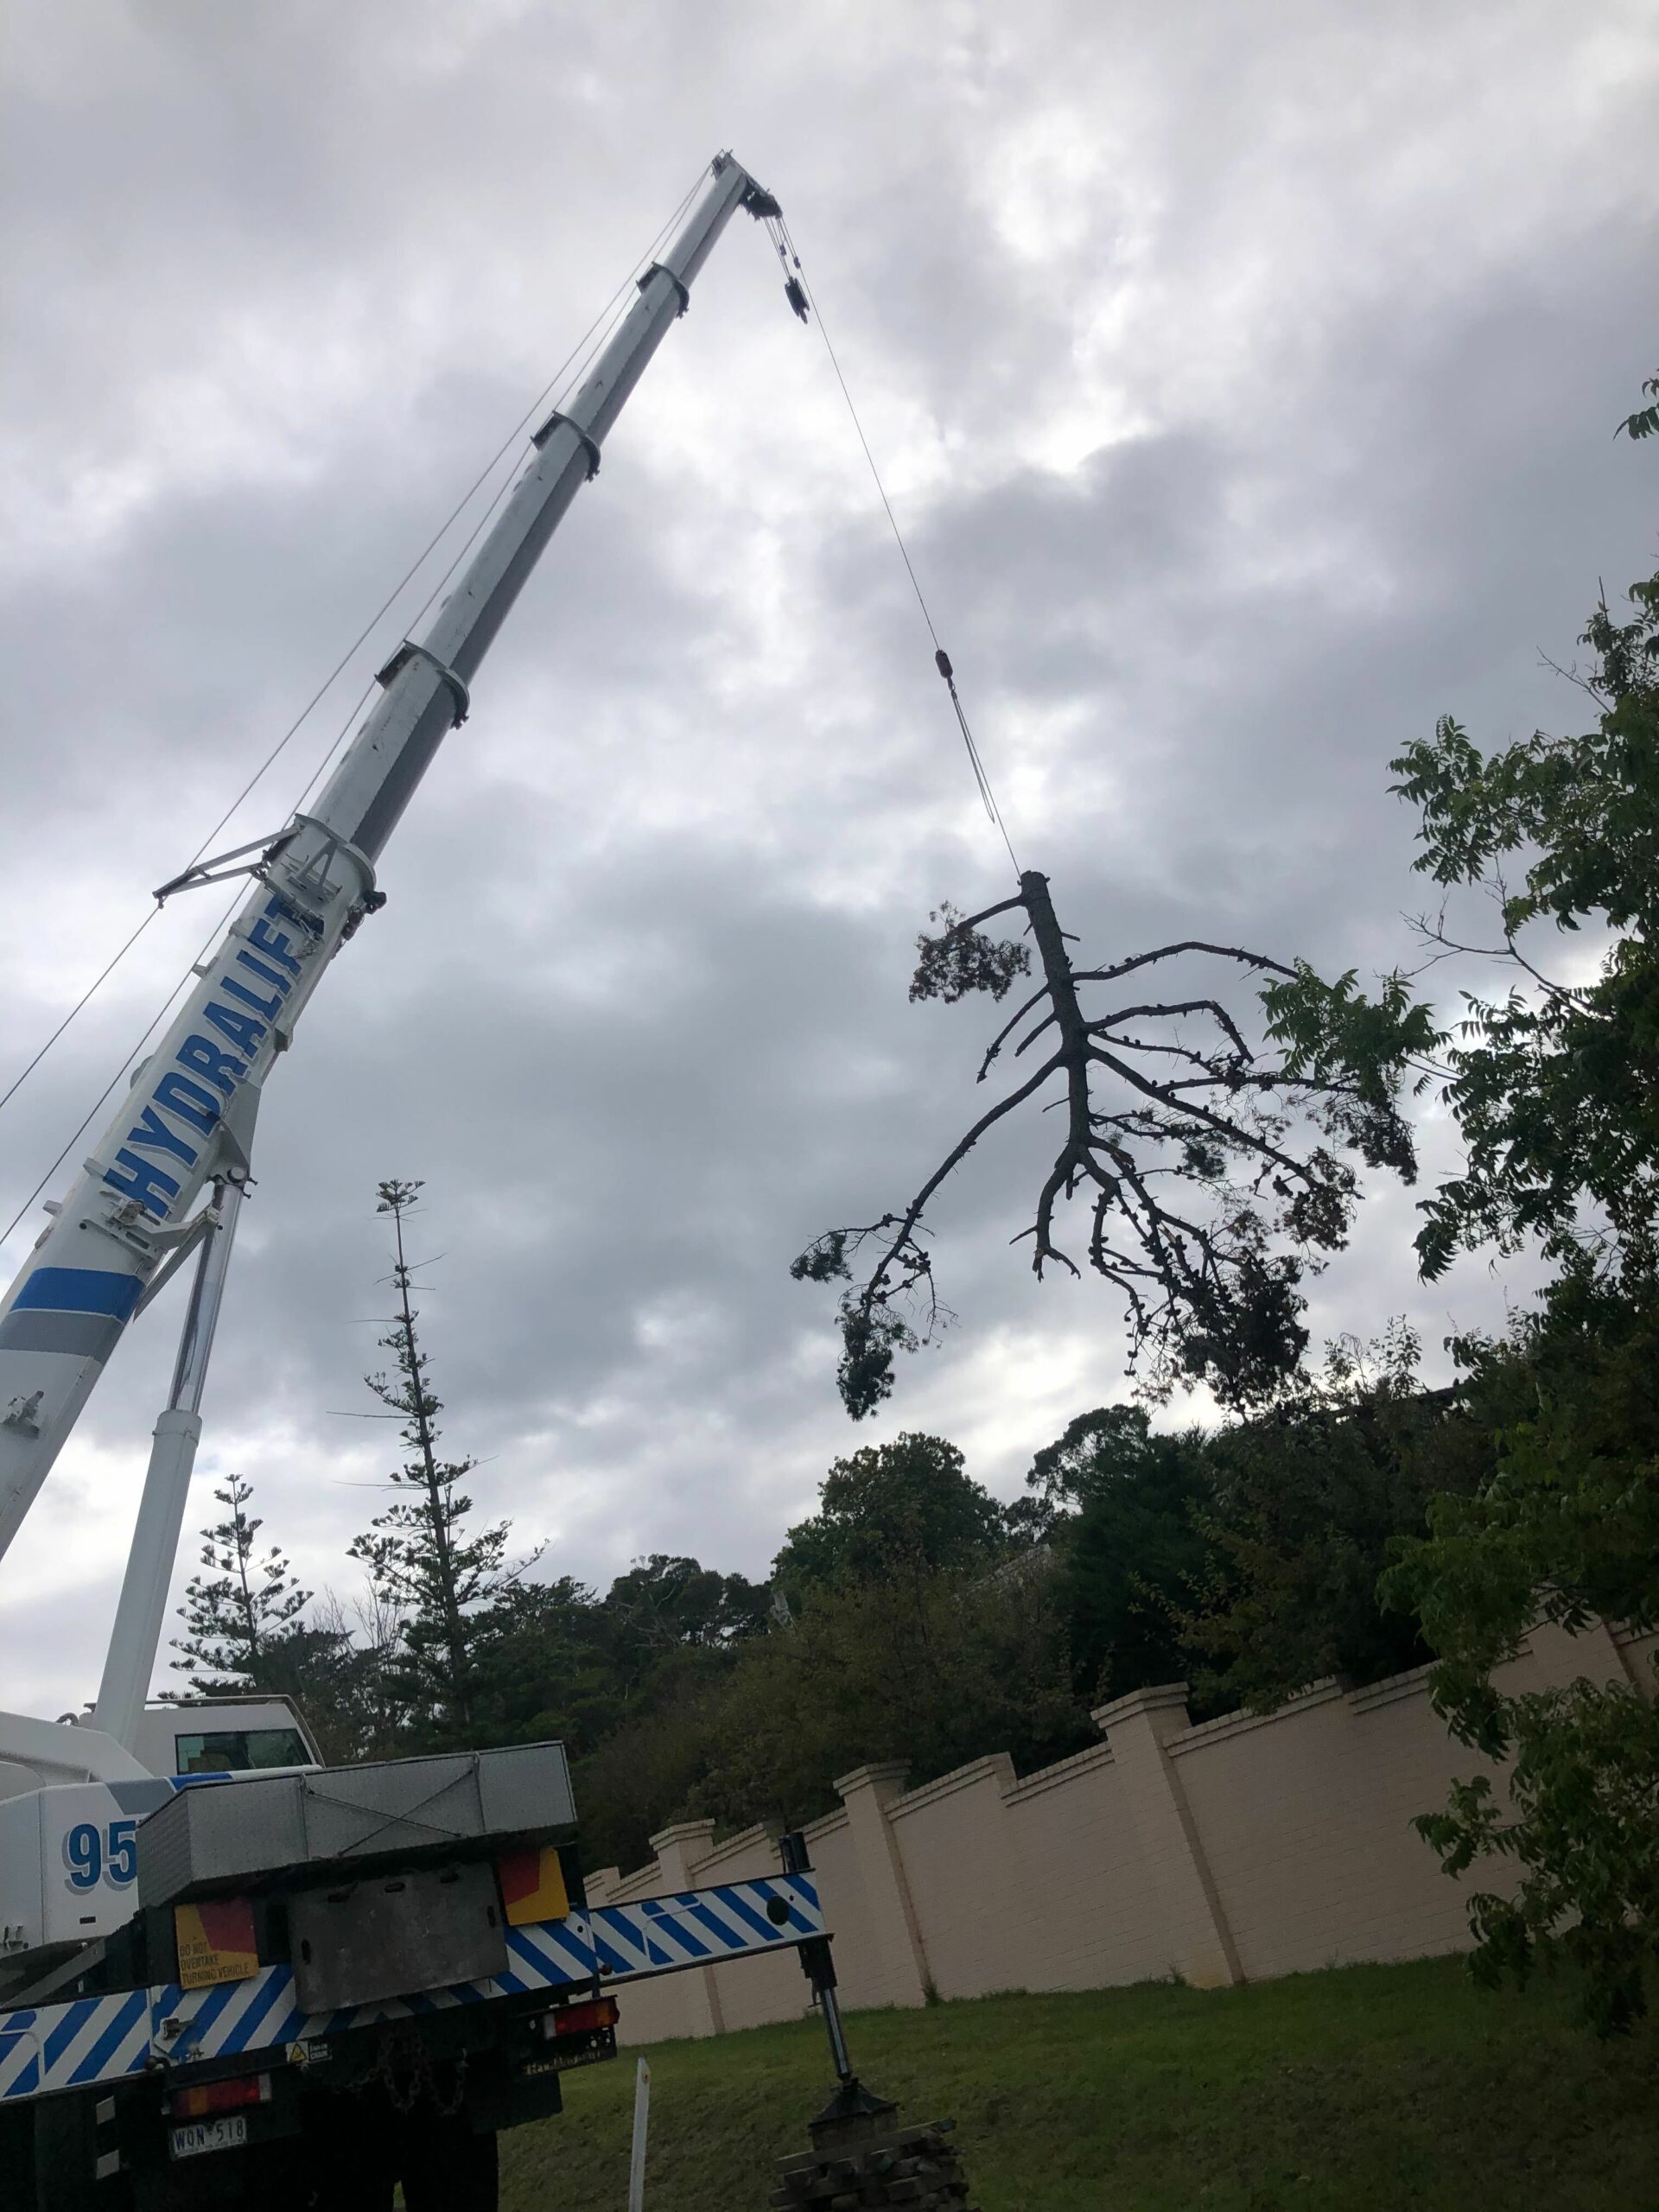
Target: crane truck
(230, 1973)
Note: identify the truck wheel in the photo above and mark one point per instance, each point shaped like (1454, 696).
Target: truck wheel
(341, 2168)
(355, 2187)
(447, 2167)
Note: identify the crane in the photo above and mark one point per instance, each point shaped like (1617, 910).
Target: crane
(165, 1180)
(215, 1960)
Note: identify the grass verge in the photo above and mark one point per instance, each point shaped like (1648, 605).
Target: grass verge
(1357, 2090)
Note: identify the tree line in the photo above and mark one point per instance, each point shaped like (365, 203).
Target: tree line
(913, 1615)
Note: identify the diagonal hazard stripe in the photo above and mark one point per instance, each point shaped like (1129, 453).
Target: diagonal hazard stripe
(108, 2038)
(133, 2011)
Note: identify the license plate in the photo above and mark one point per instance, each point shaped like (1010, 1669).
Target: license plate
(209, 2135)
(583, 2051)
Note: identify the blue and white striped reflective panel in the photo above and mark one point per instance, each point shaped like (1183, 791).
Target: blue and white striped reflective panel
(700, 1927)
(62, 2046)
(104, 2039)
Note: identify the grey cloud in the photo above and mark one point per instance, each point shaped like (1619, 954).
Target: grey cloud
(636, 1009)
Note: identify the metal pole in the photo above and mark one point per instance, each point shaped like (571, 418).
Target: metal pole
(815, 1961)
(641, 2116)
(142, 1607)
(831, 2011)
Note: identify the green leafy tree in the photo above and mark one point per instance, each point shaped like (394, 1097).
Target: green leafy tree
(896, 1510)
(245, 1612)
(424, 1561)
(1566, 1530)
(665, 1605)
(648, 1769)
(1307, 1506)
(1121, 1502)
(936, 1671)
(541, 1668)
(1553, 1083)
(330, 1678)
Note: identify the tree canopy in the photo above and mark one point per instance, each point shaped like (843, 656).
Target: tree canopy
(237, 1616)
(1119, 1505)
(902, 1509)
(1550, 1081)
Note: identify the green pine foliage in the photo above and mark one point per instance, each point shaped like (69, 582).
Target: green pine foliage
(239, 1617)
(426, 1564)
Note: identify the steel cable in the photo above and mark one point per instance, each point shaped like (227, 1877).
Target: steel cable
(560, 382)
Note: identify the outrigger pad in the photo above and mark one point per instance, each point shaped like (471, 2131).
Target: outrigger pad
(853, 2114)
(912, 2166)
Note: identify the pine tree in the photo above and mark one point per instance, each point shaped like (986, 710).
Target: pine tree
(422, 1562)
(235, 1619)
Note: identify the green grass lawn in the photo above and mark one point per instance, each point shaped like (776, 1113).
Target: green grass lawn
(1350, 2091)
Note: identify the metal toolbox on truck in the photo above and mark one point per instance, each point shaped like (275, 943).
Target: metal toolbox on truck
(235, 1832)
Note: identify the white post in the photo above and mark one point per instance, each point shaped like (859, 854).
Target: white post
(641, 2114)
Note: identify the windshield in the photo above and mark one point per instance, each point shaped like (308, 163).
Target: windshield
(240, 1751)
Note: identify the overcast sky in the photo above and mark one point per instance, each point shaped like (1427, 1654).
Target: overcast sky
(1245, 380)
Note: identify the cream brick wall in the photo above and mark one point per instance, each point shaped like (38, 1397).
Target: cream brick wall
(1243, 1848)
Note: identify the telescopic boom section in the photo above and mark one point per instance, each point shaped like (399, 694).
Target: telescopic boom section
(177, 1129)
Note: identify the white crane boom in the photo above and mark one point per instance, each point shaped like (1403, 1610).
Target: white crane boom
(188, 1120)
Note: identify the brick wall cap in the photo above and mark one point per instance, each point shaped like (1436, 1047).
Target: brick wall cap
(1091, 1757)
(995, 1766)
(868, 1777)
(765, 1833)
(1413, 1682)
(684, 1832)
(1159, 1699)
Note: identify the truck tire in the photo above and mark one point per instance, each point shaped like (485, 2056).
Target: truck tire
(344, 2162)
(356, 2185)
(447, 2168)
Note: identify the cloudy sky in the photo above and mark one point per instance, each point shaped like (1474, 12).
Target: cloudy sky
(1244, 380)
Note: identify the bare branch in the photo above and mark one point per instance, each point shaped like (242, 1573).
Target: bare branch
(1253, 960)
(1224, 1020)
(1210, 1291)
(1007, 1030)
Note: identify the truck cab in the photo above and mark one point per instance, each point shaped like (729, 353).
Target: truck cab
(69, 1817)
(248, 1734)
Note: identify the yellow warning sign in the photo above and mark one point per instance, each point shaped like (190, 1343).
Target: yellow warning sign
(216, 1941)
(532, 1886)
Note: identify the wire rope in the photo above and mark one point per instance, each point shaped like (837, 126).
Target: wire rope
(561, 381)
(785, 246)
(208, 944)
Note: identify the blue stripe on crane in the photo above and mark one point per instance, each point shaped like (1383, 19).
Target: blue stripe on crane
(79, 1290)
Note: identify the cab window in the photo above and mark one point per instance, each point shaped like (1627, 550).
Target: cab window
(239, 1751)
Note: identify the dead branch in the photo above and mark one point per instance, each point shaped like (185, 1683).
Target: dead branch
(1211, 1291)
